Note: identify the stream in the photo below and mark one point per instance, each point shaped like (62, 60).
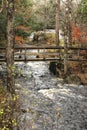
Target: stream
(46, 102)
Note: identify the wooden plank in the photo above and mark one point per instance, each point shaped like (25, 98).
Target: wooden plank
(78, 60)
(77, 48)
(46, 47)
(50, 47)
(44, 59)
(39, 53)
(35, 47)
(37, 59)
(39, 47)
(2, 48)
(2, 60)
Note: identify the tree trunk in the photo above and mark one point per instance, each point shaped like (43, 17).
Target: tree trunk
(65, 55)
(57, 21)
(69, 20)
(10, 47)
(70, 34)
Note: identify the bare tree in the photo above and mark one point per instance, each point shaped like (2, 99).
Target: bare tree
(66, 26)
(10, 45)
(9, 5)
(57, 21)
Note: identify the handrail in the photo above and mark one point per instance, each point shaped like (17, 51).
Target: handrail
(44, 59)
(47, 56)
(47, 47)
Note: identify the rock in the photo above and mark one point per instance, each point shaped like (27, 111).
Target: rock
(56, 68)
(39, 36)
(73, 79)
(52, 67)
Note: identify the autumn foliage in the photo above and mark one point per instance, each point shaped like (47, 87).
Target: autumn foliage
(19, 40)
(78, 34)
(21, 27)
(22, 15)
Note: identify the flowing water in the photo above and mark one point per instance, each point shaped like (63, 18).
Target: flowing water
(46, 103)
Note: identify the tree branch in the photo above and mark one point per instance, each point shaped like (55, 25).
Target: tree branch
(3, 5)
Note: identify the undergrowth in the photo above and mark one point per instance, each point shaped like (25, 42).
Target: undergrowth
(9, 109)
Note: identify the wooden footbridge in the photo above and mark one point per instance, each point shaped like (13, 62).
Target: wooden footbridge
(45, 53)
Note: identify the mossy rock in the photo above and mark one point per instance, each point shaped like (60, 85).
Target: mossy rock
(72, 79)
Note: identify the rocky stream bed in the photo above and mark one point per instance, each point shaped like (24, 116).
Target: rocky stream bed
(47, 103)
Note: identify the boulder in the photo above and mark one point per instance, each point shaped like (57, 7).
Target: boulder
(52, 67)
(72, 79)
(56, 68)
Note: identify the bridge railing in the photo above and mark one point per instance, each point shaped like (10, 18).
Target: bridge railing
(45, 53)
